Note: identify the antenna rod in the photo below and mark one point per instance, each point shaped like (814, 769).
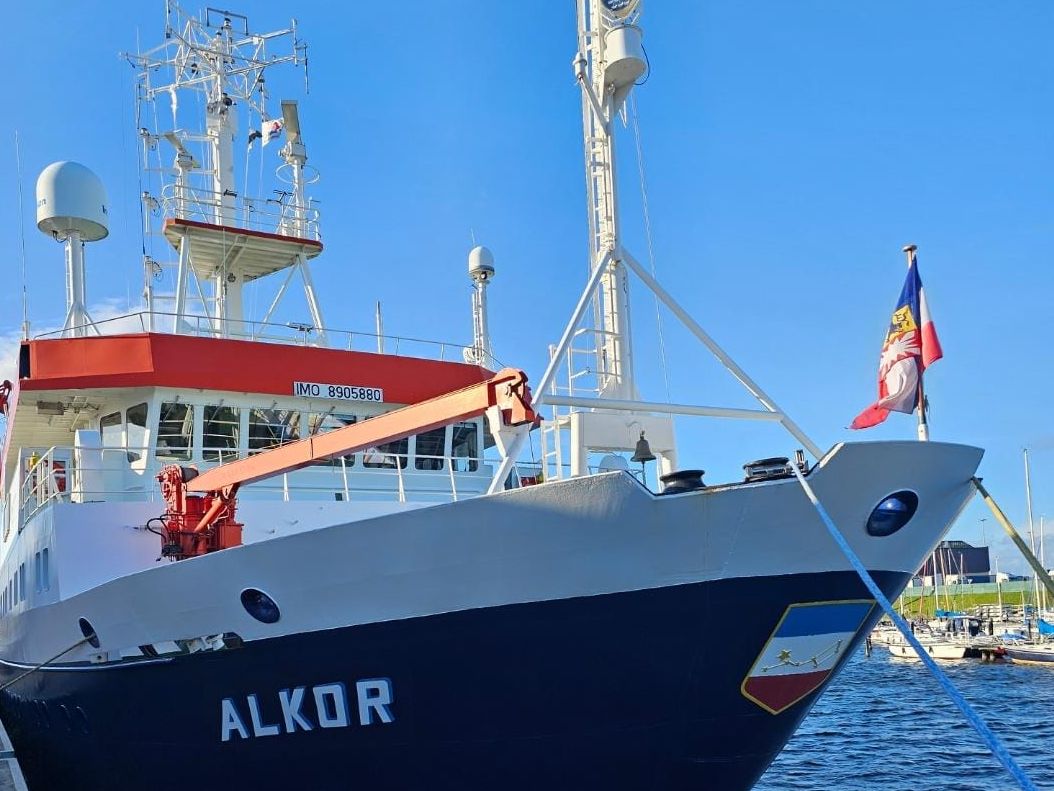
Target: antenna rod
(22, 237)
(380, 329)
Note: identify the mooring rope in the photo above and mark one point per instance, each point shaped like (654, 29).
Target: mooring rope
(979, 725)
(47, 662)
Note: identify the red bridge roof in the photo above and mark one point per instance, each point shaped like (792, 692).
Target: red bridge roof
(183, 361)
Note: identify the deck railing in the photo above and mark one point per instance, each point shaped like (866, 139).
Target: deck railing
(291, 333)
(278, 215)
(55, 476)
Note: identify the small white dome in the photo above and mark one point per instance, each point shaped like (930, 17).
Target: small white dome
(612, 462)
(480, 263)
(71, 198)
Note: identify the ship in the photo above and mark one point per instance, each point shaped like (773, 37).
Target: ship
(245, 553)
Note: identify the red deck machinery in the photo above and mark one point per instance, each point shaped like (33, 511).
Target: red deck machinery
(201, 508)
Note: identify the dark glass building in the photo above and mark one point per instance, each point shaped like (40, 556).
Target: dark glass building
(957, 558)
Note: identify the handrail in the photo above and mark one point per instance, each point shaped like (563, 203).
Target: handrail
(292, 334)
(507, 391)
(54, 477)
(46, 478)
(203, 205)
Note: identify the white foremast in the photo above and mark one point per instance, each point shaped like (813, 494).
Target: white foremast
(604, 90)
(597, 409)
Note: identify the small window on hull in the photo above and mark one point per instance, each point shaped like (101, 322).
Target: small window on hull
(260, 606)
(892, 514)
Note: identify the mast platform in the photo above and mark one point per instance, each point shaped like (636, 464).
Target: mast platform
(219, 248)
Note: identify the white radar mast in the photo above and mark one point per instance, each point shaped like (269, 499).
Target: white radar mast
(71, 208)
(222, 237)
(481, 272)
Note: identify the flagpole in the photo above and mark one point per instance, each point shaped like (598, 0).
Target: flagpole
(924, 429)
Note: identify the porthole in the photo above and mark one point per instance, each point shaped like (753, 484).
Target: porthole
(89, 632)
(260, 606)
(892, 513)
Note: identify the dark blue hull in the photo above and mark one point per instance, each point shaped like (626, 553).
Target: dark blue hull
(637, 690)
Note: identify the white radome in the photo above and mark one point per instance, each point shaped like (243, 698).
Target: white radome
(480, 263)
(71, 199)
(625, 57)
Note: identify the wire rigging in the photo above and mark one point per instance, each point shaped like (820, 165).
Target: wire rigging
(648, 236)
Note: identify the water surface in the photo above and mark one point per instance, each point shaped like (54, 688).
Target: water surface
(887, 724)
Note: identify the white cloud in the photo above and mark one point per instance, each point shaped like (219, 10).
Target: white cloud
(9, 355)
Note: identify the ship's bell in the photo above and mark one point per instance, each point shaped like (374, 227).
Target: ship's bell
(643, 452)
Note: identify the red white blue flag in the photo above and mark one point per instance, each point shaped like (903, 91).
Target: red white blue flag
(270, 130)
(911, 346)
(802, 651)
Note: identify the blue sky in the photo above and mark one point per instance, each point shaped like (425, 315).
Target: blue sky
(790, 149)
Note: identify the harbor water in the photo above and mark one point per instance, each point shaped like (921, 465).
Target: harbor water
(886, 724)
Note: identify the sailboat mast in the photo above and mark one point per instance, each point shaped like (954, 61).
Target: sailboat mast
(1031, 531)
(998, 589)
(944, 581)
(1043, 557)
(936, 599)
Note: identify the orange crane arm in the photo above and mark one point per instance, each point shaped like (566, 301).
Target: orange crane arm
(507, 390)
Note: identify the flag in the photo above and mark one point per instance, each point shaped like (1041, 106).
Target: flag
(911, 346)
(271, 129)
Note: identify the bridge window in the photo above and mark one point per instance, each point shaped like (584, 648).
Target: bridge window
(429, 451)
(269, 428)
(464, 447)
(135, 426)
(112, 430)
(221, 433)
(321, 422)
(387, 455)
(175, 431)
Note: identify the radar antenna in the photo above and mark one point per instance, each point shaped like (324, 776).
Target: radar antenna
(71, 208)
(224, 240)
